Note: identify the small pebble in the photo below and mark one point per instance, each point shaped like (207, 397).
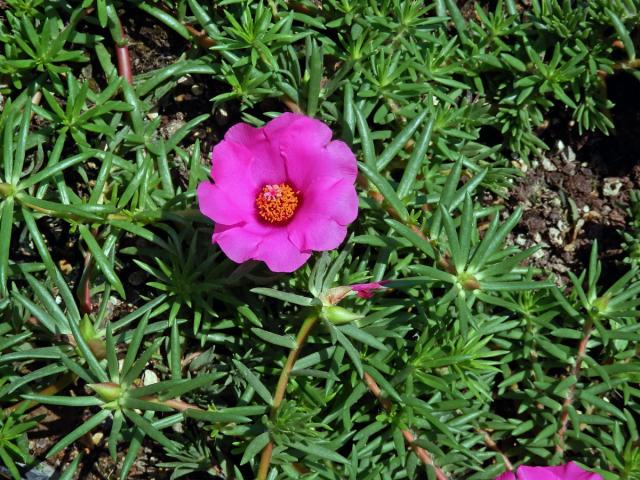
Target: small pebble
(547, 165)
(555, 236)
(521, 240)
(221, 116)
(65, 266)
(149, 377)
(185, 80)
(97, 437)
(178, 427)
(611, 187)
(541, 253)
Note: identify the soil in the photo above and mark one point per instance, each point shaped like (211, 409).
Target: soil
(150, 45)
(96, 463)
(579, 191)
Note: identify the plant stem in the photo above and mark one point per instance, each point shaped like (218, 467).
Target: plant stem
(124, 60)
(52, 389)
(377, 197)
(568, 401)
(627, 65)
(281, 388)
(424, 456)
(489, 442)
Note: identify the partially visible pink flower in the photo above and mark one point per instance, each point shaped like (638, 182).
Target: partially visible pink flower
(281, 191)
(334, 295)
(365, 290)
(569, 471)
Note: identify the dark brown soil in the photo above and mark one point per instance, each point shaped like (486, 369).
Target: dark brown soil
(151, 46)
(579, 191)
(567, 205)
(96, 463)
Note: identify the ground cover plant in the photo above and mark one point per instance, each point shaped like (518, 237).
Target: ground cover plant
(479, 315)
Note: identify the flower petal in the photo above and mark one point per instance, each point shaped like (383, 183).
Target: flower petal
(316, 232)
(569, 471)
(320, 222)
(223, 205)
(306, 154)
(254, 241)
(365, 290)
(507, 476)
(279, 253)
(307, 161)
(330, 198)
(231, 200)
(537, 473)
(268, 165)
(574, 472)
(237, 242)
(281, 126)
(342, 162)
(230, 164)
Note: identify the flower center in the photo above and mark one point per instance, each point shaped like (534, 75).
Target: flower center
(277, 203)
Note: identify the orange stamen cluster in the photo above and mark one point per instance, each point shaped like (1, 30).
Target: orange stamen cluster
(277, 203)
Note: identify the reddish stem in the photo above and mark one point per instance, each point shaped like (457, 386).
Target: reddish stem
(124, 60)
(200, 37)
(424, 456)
(84, 289)
(568, 401)
(489, 442)
(52, 389)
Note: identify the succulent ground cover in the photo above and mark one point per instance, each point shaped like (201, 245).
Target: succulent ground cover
(481, 313)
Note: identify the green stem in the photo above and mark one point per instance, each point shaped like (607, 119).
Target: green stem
(144, 217)
(281, 388)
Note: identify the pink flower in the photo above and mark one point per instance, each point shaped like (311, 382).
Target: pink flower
(569, 471)
(280, 191)
(365, 290)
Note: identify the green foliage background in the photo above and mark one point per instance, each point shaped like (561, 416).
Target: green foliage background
(475, 353)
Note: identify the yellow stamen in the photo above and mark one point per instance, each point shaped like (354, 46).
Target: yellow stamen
(277, 203)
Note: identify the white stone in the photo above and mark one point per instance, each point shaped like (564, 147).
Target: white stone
(611, 187)
(149, 377)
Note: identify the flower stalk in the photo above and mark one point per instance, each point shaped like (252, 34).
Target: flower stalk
(281, 388)
(424, 456)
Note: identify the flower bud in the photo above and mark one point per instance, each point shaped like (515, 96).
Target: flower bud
(106, 391)
(335, 295)
(96, 344)
(338, 315)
